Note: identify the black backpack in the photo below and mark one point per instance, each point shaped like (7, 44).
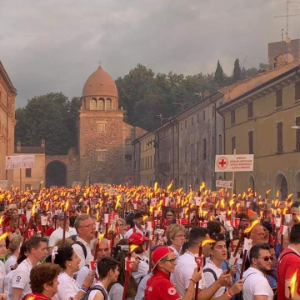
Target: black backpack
(82, 246)
(98, 288)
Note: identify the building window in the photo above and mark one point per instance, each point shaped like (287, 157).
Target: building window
(232, 144)
(298, 133)
(197, 152)
(204, 115)
(204, 149)
(27, 187)
(192, 154)
(101, 104)
(151, 162)
(198, 119)
(181, 126)
(101, 155)
(192, 121)
(250, 110)
(279, 137)
(279, 98)
(185, 124)
(185, 154)
(213, 111)
(108, 104)
(128, 157)
(93, 104)
(297, 91)
(101, 127)
(220, 143)
(250, 141)
(232, 117)
(28, 173)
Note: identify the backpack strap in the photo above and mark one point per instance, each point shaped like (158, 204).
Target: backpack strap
(292, 252)
(82, 246)
(98, 288)
(208, 270)
(248, 276)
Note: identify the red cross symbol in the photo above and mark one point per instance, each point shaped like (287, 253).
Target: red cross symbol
(222, 163)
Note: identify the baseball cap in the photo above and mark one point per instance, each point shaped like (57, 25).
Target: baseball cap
(158, 254)
(137, 239)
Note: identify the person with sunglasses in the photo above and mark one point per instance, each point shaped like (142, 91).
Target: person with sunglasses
(256, 285)
(159, 286)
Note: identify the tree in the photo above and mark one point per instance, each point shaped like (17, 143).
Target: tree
(219, 75)
(52, 117)
(237, 72)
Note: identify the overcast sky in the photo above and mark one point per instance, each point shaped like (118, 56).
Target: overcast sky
(54, 45)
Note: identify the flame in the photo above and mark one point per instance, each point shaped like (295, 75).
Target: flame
(67, 205)
(231, 202)
(145, 218)
(42, 182)
(217, 204)
(97, 216)
(118, 201)
(290, 196)
(298, 218)
(88, 210)
(268, 192)
(155, 186)
(202, 186)
(251, 227)
(222, 203)
(33, 210)
(100, 237)
(205, 242)
(1, 220)
(3, 236)
(30, 298)
(293, 283)
(229, 212)
(132, 247)
(170, 185)
(277, 194)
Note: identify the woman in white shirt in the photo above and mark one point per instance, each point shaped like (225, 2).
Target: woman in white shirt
(68, 260)
(14, 249)
(175, 237)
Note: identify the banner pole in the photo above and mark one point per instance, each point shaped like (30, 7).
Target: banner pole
(234, 153)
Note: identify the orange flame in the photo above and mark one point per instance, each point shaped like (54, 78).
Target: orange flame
(33, 210)
(97, 216)
(290, 196)
(202, 186)
(100, 237)
(170, 185)
(277, 194)
(293, 283)
(268, 192)
(132, 248)
(205, 242)
(145, 217)
(67, 205)
(3, 236)
(155, 186)
(251, 227)
(88, 210)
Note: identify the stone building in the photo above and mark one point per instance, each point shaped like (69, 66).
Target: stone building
(144, 159)
(7, 123)
(263, 122)
(105, 150)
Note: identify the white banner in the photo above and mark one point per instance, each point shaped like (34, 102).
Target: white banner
(20, 162)
(234, 163)
(224, 184)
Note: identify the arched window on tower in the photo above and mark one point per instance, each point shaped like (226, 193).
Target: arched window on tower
(93, 104)
(108, 104)
(101, 104)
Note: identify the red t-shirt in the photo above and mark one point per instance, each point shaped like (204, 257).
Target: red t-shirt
(159, 287)
(36, 296)
(286, 268)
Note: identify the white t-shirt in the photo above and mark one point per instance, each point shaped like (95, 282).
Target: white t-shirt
(20, 278)
(142, 270)
(79, 251)
(256, 284)
(177, 254)
(57, 235)
(210, 279)
(7, 284)
(12, 260)
(2, 276)
(93, 293)
(131, 231)
(183, 273)
(116, 292)
(67, 287)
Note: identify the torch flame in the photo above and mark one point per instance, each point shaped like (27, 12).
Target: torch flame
(3, 236)
(170, 185)
(1, 220)
(268, 192)
(205, 242)
(33, 210)
(88, 210)
(277, 194)
(251, 227)
(155, 186)
(202, 186)
(132, 248)
(67, 205)
(145, 217)
(293, 283)
(100, 237)
(290, 196)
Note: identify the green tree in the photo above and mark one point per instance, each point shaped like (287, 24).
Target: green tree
(52, 117)
(237, 72)
(219, 75)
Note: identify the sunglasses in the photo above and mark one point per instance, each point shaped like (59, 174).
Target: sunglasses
(267, 258)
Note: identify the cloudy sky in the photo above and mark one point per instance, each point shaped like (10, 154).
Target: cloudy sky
(54, 45)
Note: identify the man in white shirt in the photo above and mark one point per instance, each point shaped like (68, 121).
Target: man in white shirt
(186, 265)
(138, 222)
(256, 285)
(85, 228)
(57, 234)
(36, 252)
(213, 269)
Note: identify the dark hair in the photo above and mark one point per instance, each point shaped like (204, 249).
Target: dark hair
(34, 242)
(218, 237)
(43, 274)
(213, 227)
(295, 234)
(63, 255)
(267, 225)
(23, 250)
(184, 247)
(105, 265)
(228, 241)
(242, 216)
(196, 234)
(295, 204)
(132, 284)
(129, 219)
(29, 200)
(72, 220)
(254, 252)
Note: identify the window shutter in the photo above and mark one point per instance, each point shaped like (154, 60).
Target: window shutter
(250, 140)
(298, 133)
(279, 137)
(297, 90)
(279, 98)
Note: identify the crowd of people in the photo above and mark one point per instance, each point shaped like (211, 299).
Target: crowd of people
(69, 254)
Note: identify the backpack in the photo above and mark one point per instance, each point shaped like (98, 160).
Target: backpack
(82, 246)
(98, 288)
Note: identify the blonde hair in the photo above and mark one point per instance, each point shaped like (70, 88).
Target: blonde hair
(14, 244)
(172, 230)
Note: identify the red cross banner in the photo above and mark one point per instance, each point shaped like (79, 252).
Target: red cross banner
(234, 163)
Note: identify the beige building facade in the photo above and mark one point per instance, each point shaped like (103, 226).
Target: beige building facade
(263, 122)
(7, 122)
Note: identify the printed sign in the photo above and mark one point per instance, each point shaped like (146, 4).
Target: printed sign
(234, 163)
(224, 184)
(19, 162)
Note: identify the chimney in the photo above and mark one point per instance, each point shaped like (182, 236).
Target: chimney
(18, 146)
